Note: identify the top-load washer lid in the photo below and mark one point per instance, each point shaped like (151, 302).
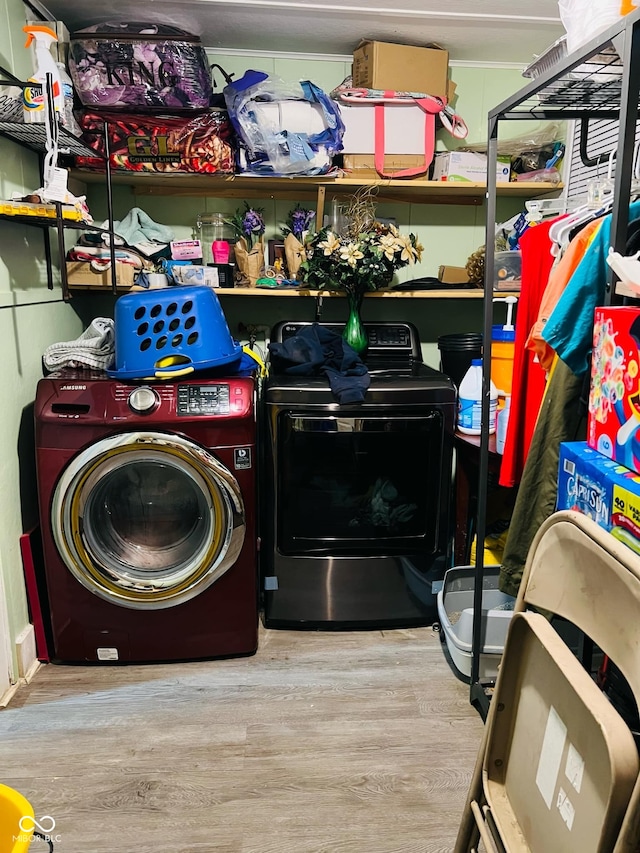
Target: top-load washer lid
(393, 358)
(390, 344)
(147, 520)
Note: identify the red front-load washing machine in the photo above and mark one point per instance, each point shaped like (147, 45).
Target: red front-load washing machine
(147, 502)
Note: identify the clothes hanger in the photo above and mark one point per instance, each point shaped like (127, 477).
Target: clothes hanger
(563, 229)
(599, 194)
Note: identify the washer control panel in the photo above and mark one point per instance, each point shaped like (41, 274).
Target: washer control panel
(203, 399)
(143, 400)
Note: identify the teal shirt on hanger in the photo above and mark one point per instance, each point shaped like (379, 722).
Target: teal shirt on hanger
(569, 329)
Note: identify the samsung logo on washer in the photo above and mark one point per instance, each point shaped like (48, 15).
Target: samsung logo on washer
(73, 387)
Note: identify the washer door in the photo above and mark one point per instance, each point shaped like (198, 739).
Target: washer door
(147, 520)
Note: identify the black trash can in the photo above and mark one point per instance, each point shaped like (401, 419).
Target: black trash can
(457, 352)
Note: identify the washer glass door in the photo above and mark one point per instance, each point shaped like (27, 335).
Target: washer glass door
(147, 520)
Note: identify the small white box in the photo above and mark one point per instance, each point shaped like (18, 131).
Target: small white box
(455, 611)
(403, 129)
(468, 166)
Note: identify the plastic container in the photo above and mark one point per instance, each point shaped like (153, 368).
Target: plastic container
(212, 228)
(172, 332)
(455, 612)
(503, 348)
(457, 351)
(502, 419)
(67, 118)
(13, 809)
(507, 270)
(470, 401)
(545, 61)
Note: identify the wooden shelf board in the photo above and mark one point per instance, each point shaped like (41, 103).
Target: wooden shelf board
(231, 186)
(243, 292)
(253, 292)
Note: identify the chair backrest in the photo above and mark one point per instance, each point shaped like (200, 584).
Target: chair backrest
(558, 767)
(577, 570)
(14, 807)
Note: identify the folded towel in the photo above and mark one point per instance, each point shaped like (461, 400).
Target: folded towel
(95, 348)
(139, 227)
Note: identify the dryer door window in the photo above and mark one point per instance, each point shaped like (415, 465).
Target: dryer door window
(147, 520)
(359, 485)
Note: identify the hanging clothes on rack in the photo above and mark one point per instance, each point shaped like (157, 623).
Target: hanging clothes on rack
(529, 380)
(563, 415)
(562, 418)
(558, 280)
(568, 330)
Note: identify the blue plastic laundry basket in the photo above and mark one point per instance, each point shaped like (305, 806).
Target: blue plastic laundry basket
(162, 334)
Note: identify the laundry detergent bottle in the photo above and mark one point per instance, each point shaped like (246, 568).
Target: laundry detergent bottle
(33, 98)
(470, 401)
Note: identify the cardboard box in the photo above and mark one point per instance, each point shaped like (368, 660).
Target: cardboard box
(462, 166)
(453, 275)
(82, 275)
(401, 68)
(601, 489)
(614, 398)
(392, 162)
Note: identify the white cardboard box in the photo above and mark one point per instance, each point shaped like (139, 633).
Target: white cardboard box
(462, 166)
(403, 129)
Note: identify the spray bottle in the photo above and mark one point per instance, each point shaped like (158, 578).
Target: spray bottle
(33, 99)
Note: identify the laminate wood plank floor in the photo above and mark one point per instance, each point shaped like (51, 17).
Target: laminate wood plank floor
(354, 742)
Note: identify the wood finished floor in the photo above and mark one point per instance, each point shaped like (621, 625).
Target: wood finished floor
(321, 743)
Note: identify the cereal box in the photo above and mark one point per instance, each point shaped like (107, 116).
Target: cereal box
(601, 489)
(614, 397)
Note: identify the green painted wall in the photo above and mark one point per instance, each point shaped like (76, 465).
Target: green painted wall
(25, 331)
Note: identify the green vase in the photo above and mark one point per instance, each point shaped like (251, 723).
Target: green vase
(354, 332)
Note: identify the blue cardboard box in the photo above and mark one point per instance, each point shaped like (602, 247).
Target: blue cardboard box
(602, 489)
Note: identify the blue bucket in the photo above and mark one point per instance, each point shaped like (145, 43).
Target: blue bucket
(162, 334)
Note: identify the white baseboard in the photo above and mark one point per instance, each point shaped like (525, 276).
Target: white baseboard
(8, 695)
(26, 652)
(28, 663)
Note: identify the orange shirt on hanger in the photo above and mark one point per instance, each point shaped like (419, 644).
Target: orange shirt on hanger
(558, 279)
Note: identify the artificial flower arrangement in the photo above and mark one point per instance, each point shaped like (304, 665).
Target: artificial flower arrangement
(297, 225)
(360, 262)
(362, 259)
(249, 228)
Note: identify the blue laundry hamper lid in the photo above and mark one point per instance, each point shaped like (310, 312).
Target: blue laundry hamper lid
(163, 334)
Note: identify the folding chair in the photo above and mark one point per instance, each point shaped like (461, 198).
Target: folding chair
(558, 768)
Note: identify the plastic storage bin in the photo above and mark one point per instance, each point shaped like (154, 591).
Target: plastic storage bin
(455, 611)
(507, 271)
(163, 334)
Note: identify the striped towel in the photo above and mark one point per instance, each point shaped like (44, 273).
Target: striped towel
(95, 348)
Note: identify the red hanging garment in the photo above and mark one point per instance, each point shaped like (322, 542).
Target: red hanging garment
(528, 376)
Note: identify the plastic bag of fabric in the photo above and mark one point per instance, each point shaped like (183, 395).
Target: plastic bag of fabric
(139, 67)
(284, 128)
(202, 143)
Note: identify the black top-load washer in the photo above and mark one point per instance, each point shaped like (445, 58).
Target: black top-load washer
(357, 521)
